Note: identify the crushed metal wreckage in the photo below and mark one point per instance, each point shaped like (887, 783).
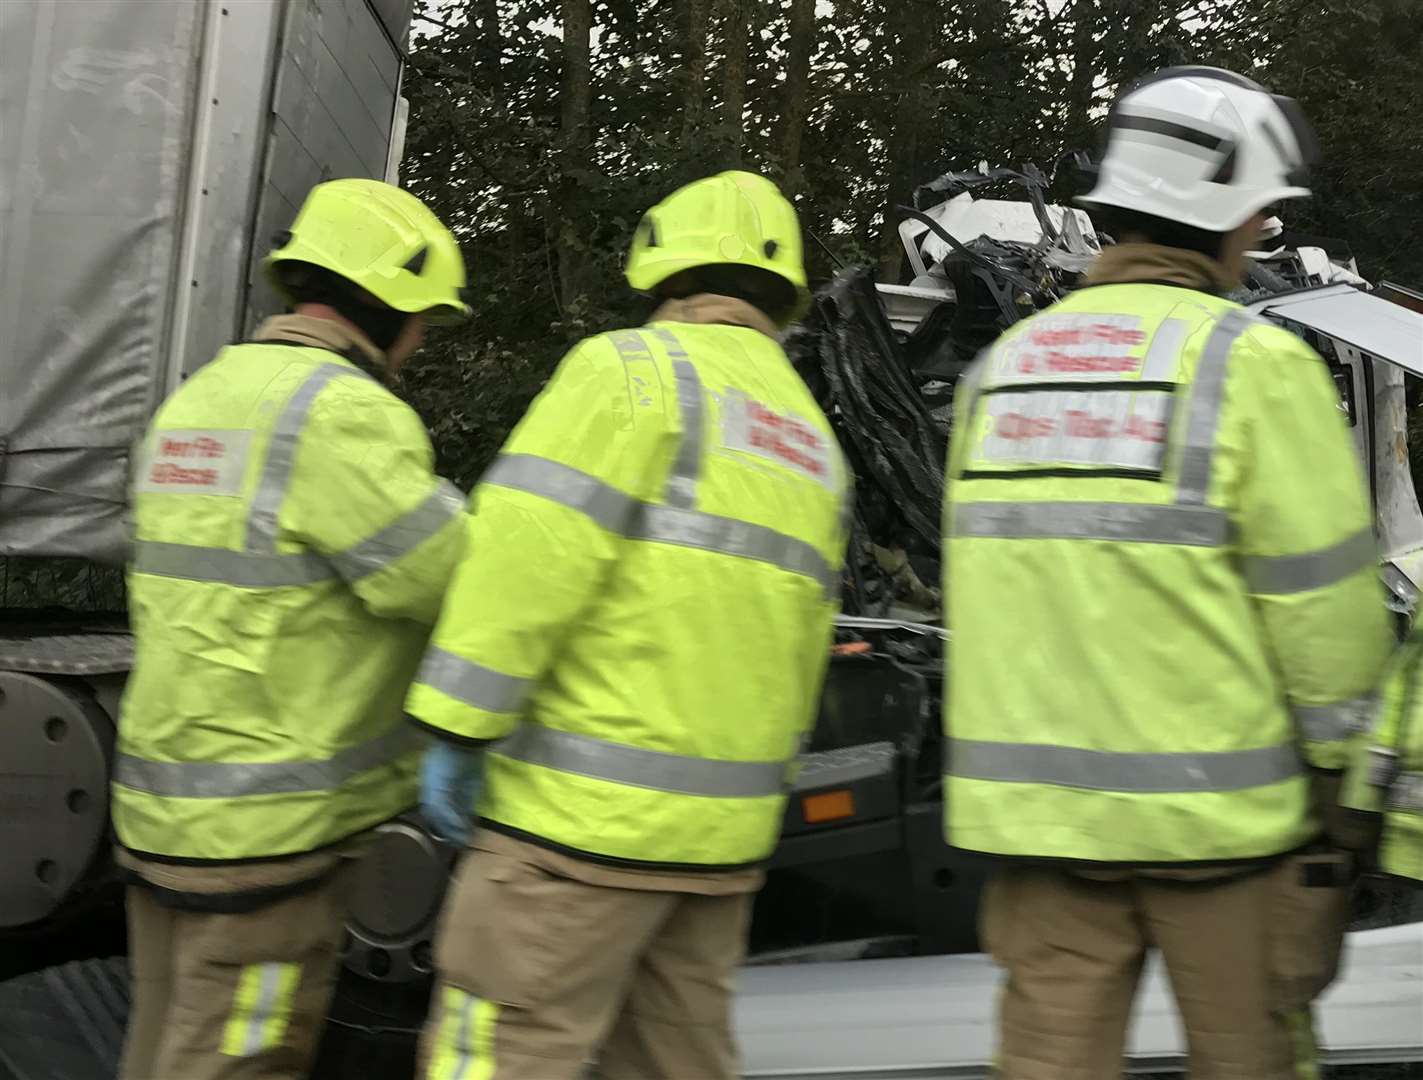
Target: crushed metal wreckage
(883, 359)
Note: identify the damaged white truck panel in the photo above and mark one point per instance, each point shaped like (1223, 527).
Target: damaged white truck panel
(1377, 343)
(1364, 320)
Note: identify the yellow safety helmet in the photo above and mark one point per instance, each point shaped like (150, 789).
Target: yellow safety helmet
(381, 238)
(733, 218)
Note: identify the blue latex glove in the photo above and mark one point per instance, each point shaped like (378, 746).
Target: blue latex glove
(451, 779)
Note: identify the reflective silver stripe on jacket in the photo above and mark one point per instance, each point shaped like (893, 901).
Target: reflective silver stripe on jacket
(1101, 770)
(1338, 722)
(682, 480)
(1282, 574)
(281, 456)
(619, 512)
(656, 770)
(1203, 413)
(245, 569)
(234, 780)
(401, 536)
(565, 485)
(728, 536)
(474, 684)
(1406, 793)
(968, 387)
(1163, 355)
(1195, 526)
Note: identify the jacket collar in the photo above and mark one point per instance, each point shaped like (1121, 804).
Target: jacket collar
(708, 308)
(345, 341)
(1122, 264)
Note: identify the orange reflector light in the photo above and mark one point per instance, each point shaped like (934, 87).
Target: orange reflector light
(827, 806)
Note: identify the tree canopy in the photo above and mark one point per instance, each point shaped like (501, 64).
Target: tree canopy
(542, 129)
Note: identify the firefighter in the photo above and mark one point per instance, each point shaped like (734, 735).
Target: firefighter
(643, 618)
(1166, 619)
(1385, 779)
(291, 549)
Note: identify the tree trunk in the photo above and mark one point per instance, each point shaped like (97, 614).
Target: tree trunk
(695, 65)
(577, 80)
(1085, 49)
(574, 101)
(799, 50)
(733, 76)
(491, 47)
(916, 37)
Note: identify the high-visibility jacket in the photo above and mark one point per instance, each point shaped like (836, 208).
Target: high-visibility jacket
(1161, 585)
(1387, 773)
(291, 547)
(645, 611)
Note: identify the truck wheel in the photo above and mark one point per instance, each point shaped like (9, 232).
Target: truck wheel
(64, 1023)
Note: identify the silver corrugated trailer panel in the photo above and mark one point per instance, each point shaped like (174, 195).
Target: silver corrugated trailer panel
(148, 151)
(96, 105)
(332, 112)
(933, 1016)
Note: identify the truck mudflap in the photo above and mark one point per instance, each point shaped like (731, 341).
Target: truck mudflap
(932, 1016)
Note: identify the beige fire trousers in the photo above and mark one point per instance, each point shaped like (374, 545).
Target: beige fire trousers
(1246, 956)
(231, 996)
(541, 973)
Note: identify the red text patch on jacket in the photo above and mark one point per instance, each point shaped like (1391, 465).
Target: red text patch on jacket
(207, 462)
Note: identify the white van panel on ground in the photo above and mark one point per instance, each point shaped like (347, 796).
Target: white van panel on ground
(933, 1016)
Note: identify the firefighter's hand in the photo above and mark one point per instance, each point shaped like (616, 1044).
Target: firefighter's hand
(450, 782)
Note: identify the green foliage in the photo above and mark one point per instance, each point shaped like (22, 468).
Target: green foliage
(544, 195)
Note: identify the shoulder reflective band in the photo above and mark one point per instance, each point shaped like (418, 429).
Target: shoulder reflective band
(631, 346)
(617, 763)
(727, 536)
(1163, 355)
(565, 485)
(968, 386)
(1406, 793)
(473, 684)
(401, 536)
(464, 1042)
(1188, 525)
(261, 1009)
(244, 569)
(1100, 770)
(1203, 412)
(1338, 722)
(281, 455)
(1280, 574)
(682, 481)
(234, 780)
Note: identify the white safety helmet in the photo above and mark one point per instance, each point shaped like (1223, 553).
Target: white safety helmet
(1203, 147)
